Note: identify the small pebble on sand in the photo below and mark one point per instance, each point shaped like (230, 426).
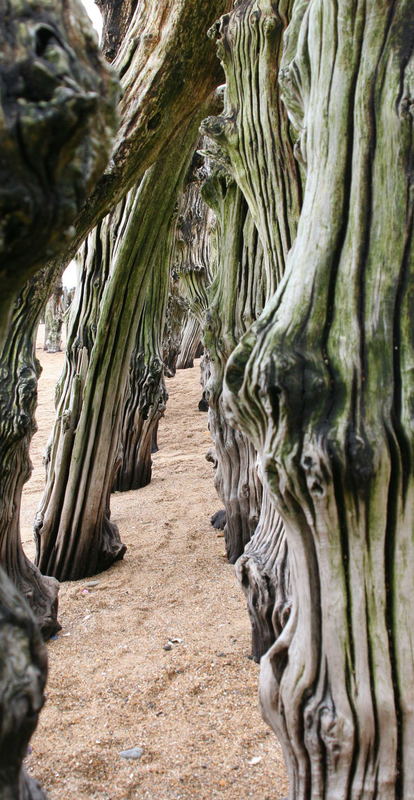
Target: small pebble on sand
(134, 752)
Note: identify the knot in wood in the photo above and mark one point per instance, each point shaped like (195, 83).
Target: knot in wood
(360, 458)
(406, 107)
(215, 127)
(237, 362)
(271, 25)
(219, 27)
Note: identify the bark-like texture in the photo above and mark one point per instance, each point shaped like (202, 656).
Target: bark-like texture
(146, 394)
(189, 342)
(96, 258)
(19, 370)
(236, 299)
(117, 17)
(54, 315)
(254, 131)
(323, 385)
(56, 101)
(163, 33)
(263, 572)
(74, 534)
(23, 671)
(177, 310)
(192, 262)
(166, 70)
(57, 117)
(255, 146)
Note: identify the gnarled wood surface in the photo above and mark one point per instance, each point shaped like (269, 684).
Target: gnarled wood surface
(255, 146)
(23, 670)
(74, 534)
(263, 572)
(54, 316)
(166, 71)
(332, 421)
(190, 339)
(176, 314)
(254, 131)
(19, 371)
(56, 123)
(147, 396)
(235, 299)
(192, 262)
(84, 173)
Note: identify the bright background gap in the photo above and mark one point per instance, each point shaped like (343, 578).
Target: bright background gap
(69, 276)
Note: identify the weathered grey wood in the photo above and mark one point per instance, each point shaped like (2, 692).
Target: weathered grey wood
(117, 17)
(57, 118)
(236, 297)
(19, 371)
(204, 376)
(192, 261)
(332, 355)
(166, 70)
(23, 671)
(263, 572)
(56, 124)
(253, 132)
(189, 343)
(177, 312)
(135, 126)
(74, 534)
(255, 146)
(54, 316)
(146, 396)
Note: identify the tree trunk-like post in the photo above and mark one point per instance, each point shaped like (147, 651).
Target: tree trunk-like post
(256, 146)
(147, 396)
(23, 671)
(54, 316)
(56, 122)
(82, 127)
(18, 398)
(74, 535)
(166, 72)
(236, 299)
(323, 385)
(192, 262)
(176, 314)
(254, 132)
(264, 575)
(190, 342)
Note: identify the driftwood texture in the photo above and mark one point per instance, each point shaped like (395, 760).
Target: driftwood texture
(192, 261)
(332, 355)
(236, 298)
(146, 397)
(57, 118)
(156, 102)
(254, 145)
(254, 132)
(23, 670)
(166, 71)
(54, 316)
(56, 122)
(18, 398)
(176, 315)
(263, 572)
(73, 531)
(156, 32)
(190, 340)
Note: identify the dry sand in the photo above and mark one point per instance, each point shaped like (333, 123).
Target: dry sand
(112, 685)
